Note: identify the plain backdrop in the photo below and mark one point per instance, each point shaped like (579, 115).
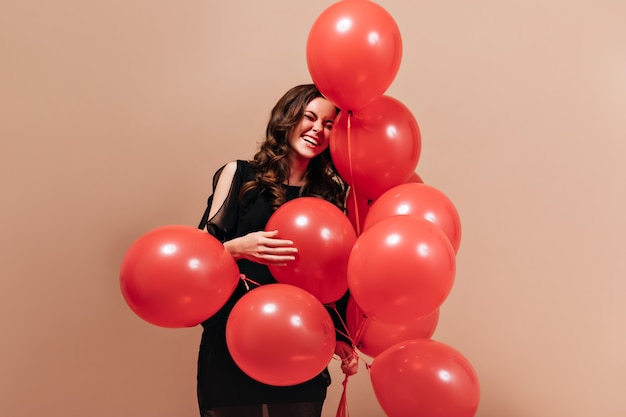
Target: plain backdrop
(115, 114)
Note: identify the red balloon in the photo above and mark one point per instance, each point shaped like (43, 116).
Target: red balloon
(401, 268)
(373, 337)
(353, 52)
(177, 276)
(419, 200)
(324, 238)
(379, 150)
(425, 378)
(280, 335)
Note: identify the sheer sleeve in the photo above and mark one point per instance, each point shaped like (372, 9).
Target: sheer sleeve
(223, 223)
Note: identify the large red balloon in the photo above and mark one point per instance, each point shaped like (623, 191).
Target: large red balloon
(425, 378)
(373, 337)
(401, 268)
(353, 52)
(379, 150)
(280, 335)
(324, 238)
(177, 276)
(419, 200)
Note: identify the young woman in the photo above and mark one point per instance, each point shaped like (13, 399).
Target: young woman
(293, 161)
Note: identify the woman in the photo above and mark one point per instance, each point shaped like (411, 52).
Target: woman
(293, 161)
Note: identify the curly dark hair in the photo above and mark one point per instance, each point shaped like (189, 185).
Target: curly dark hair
(271, 161)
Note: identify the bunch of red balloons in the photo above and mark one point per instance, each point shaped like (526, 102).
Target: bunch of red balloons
(395, 250)
(402, 265)
(281, 334)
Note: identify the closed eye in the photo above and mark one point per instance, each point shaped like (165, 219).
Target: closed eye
(311, 116)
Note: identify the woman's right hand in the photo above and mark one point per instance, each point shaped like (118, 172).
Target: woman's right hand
(262, 247)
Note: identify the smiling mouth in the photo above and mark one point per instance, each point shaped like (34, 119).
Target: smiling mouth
(310, 140)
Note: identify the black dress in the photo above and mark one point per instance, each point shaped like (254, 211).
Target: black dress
(220, 381)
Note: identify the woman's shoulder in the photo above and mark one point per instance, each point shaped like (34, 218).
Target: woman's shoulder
(234, 171)
(230, 168)
(237, 166)
(245, 169)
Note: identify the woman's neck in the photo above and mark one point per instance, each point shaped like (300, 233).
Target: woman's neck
(297, 169)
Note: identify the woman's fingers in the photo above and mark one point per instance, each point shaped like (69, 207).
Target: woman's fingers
(281, 248)
(263, 247)
(269, 240)
(278, 243)
(350, 366)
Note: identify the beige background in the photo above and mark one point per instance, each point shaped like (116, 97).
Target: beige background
(115, 114)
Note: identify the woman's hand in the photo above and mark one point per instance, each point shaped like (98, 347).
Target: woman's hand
(262, 247)
(349, 360)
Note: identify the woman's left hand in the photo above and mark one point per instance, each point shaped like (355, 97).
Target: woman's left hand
(349, 359)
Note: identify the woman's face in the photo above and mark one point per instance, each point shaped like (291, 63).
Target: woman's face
(309, 138)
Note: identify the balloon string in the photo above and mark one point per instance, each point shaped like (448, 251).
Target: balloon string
(354, 197)
(361, 331)
(247, 280)
(347, 335)
(342, 410)
(344, 332)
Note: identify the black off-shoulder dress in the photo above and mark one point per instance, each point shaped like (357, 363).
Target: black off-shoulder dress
(220, 381)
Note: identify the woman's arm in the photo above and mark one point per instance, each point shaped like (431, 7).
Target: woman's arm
(222, 188)
(261, 246)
